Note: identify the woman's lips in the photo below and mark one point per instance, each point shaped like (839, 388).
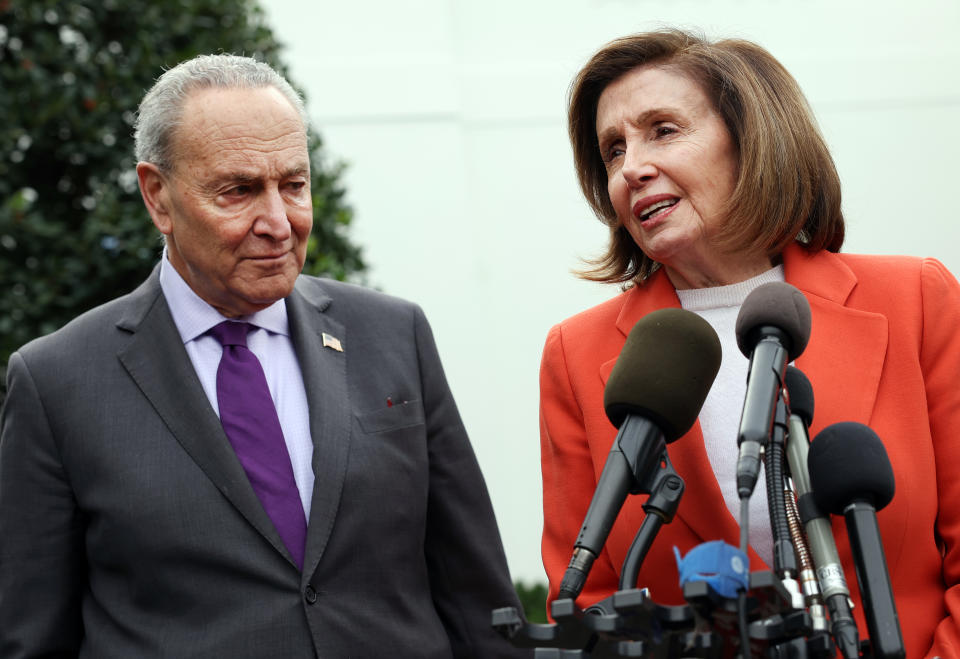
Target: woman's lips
(654, 207)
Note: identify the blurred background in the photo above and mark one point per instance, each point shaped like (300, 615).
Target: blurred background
(444, 174)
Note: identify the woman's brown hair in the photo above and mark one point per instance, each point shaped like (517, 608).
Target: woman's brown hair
(787, 186)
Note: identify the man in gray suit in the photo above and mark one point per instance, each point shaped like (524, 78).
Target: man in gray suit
(144, 511)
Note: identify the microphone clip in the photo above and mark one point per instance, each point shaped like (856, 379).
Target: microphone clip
(640, 450)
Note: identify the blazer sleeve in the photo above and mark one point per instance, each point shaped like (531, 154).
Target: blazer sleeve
(42, 572)
(940, 363)
(569, 479)
(465, 558)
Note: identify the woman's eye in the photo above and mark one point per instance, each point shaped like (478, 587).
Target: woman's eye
(613, 153)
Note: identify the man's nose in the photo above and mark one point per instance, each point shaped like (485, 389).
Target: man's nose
(272, 217)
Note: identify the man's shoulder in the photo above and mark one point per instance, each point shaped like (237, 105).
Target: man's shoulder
(96, 326)
(340, 296)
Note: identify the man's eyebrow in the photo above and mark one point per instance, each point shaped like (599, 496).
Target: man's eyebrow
(232, 178)
(299, 170)
(248, 178)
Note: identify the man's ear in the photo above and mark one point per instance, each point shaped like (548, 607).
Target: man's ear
(155, 190)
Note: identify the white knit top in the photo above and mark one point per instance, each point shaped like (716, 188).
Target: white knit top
(720, 415)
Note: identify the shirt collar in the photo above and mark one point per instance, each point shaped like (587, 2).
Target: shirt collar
(194, 317)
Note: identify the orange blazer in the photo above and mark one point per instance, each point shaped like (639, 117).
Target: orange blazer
(884, 350)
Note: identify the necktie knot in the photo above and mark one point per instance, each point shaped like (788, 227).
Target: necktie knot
(231, 333)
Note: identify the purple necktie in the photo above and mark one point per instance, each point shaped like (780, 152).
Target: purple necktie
(253, 428)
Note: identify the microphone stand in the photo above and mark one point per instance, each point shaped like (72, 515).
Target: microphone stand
(665, 493)
(629, 623)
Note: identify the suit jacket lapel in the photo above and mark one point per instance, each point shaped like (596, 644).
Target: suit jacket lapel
(845, 355)
(701, 508)
(325, 379)
(843, 340)
(158, 363)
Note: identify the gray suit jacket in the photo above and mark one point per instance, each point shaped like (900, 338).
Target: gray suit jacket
(128, 527)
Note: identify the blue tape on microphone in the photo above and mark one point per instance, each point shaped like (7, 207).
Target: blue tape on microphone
(723, 566)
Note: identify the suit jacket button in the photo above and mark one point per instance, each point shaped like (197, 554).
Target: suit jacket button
(310, 594)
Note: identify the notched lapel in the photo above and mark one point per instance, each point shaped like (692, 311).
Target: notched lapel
(844, 361)
(159, 365)
(847, 348)
(655, 293)
(702, 507)
(606, 368)
(325, 380)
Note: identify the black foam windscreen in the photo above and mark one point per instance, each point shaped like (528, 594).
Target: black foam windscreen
(775, 304)
(664, 371)
(847, 462)
(800, 392)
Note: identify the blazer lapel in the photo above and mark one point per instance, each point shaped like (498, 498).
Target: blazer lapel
(843, 340)
(701, 508)
(158, 363)
(845, 343)
(845, 355)
(324, 371)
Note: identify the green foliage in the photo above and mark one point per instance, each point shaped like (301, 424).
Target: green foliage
(73, 230)
(533, 598)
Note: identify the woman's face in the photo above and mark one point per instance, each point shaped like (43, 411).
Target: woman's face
(671, 166)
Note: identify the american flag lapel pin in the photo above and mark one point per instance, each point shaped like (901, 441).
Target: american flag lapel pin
(331, 342)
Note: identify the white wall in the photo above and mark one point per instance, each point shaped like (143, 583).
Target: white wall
(451, 117)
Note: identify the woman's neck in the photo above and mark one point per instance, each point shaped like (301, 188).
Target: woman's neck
(731, 270)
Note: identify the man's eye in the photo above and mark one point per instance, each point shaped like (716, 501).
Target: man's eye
(238, 191)
(664, 131)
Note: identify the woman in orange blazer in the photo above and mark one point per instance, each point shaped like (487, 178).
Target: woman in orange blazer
(704, 161)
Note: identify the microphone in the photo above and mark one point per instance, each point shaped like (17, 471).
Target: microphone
(826, 560)
(654, 394)
(851, 475)
(773, 328)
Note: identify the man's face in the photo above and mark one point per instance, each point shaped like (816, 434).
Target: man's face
(236, 208)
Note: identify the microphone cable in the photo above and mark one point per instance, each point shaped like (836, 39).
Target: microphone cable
(742, 622)
(784, 557)
(809, 586)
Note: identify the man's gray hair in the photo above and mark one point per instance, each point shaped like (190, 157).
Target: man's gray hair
(161, 110)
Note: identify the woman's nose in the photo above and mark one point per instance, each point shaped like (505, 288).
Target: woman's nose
(638, 167)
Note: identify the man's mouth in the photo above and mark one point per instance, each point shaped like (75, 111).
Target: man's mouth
(268, 257)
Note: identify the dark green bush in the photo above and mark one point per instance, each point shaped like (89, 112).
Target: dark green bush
(533, 598)
(73, 230)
